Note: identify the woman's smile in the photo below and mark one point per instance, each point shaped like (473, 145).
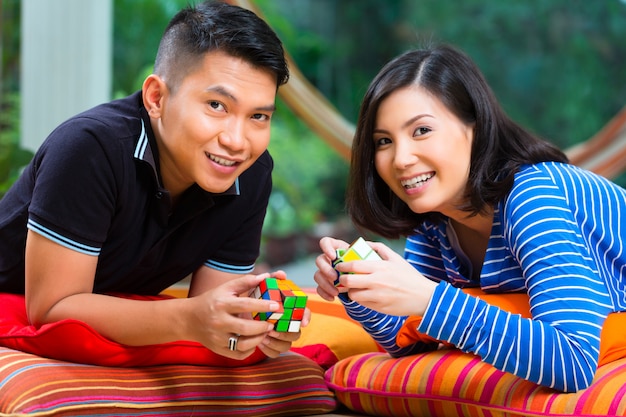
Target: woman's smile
(417, 181)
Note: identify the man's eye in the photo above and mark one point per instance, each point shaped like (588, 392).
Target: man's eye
(260, 116)
(216, 105)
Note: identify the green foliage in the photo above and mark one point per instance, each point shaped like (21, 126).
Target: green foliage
(309, 177)
(9, 45)
(338, 45)
(12, 157)
(137, 27)
(557, 66)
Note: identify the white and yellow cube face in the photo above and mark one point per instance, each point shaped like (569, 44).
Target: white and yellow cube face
(358, 250)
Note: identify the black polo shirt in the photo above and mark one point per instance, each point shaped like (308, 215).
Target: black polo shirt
(94, 186)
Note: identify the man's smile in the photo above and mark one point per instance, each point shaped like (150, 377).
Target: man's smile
(220, 161)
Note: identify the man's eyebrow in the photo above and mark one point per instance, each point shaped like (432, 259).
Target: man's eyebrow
(269, 108)
(224, 92)
(221, 91)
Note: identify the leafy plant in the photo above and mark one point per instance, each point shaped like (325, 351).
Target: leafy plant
(12, 157)
(309, 178)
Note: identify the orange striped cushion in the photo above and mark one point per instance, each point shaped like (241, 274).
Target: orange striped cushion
(35, 386)
(451, 383)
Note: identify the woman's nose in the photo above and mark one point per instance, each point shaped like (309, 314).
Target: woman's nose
(405, 154)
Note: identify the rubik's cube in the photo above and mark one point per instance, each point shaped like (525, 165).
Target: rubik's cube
(289, 296)
(358, 250)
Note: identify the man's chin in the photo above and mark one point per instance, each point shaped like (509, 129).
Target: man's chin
(221, 187)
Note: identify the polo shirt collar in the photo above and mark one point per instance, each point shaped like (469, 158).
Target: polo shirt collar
(144, 152)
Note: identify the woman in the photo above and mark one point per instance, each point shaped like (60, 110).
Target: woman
(483, 203)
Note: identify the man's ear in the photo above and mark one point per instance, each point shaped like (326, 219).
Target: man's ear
(153, 92)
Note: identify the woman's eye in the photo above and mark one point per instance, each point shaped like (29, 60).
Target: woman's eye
(216, 105)
(381, 142)
(421, 131)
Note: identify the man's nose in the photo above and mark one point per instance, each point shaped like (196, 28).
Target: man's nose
(233, 135)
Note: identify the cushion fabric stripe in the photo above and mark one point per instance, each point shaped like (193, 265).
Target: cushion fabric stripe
(451, 383)
(284, 386)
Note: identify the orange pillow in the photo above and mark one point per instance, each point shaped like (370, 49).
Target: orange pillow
(612, 338)
(75, 341)
(331, 335)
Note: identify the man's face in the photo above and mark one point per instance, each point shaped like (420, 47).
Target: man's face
(215, 124)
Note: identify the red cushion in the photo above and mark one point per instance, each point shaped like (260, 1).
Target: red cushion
(319, 353)
(74, 341)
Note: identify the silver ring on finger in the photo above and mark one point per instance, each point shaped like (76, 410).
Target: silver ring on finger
(232, 342)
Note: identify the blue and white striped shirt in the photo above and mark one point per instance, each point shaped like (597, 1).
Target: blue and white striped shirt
(558, 236)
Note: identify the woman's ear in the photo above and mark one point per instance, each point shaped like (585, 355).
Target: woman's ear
(470, 131)
(153, 92)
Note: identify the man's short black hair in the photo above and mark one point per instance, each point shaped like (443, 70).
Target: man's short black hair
(216, 26)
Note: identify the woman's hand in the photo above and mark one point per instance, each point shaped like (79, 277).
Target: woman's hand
(391, 286)
(325, 275)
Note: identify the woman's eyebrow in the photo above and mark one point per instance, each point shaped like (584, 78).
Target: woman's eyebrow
(405, 124)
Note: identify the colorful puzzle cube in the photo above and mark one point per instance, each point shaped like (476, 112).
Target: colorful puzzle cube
(289, 296)
(358, 250)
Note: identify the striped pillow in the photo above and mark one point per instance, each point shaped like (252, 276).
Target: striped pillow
(290, 385)
(451, 383)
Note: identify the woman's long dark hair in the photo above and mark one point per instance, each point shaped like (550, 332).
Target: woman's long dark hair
(499, 148)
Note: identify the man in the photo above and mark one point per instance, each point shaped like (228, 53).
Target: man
(135, 195)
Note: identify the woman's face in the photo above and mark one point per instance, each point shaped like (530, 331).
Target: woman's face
(422, 151)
